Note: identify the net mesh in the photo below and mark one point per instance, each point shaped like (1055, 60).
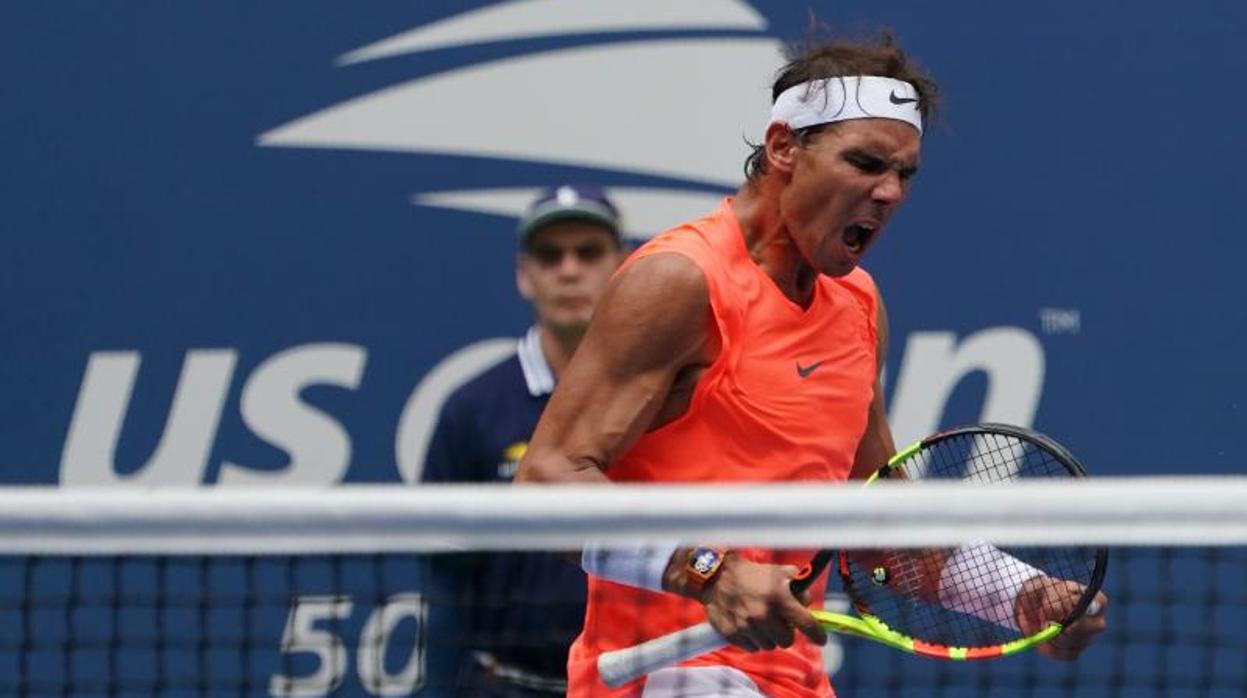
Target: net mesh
(280, 618)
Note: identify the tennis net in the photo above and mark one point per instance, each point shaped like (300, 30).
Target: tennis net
(372, 591)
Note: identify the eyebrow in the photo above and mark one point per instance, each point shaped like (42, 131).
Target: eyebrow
(873, 154)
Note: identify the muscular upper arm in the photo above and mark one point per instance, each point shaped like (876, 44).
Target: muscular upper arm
(652, 322)
(876, 446)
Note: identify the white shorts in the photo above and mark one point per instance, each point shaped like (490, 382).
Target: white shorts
(700, 682)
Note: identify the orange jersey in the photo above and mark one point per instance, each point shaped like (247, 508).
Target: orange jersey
(786, 399)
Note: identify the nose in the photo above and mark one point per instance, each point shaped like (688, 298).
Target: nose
(570, 264)
(889, 190)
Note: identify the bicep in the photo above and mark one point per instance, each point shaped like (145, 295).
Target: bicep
(650, 324)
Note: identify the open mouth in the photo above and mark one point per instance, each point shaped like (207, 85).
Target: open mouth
(858, 236)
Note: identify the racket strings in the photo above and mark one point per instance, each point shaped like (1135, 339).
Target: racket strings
(964, 597)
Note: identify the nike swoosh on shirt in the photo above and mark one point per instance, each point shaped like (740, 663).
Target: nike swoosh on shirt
(805, 372)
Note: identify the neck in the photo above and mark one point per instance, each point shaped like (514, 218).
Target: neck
(769, 243)
(558, 346)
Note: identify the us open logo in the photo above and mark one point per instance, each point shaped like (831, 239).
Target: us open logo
(621, 101)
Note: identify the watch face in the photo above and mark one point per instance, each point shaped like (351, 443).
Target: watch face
(704, 561)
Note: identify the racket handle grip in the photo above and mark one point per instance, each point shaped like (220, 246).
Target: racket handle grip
(618, 667)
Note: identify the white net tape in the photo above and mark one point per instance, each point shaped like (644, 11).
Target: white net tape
(362, 519)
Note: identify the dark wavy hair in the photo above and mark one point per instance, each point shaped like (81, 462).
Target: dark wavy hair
(839, 58)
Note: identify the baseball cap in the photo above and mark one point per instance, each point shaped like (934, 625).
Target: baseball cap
(569, 202)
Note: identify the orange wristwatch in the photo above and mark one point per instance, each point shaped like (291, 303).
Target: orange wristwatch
(703, 566)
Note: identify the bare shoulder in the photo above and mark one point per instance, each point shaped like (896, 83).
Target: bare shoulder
(661, 296)
(655, 308)
(663, 276)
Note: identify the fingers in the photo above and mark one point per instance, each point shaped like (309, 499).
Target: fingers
(752, 605)
(1071, 643)
(744, 642)
(1079, 635)
(754, 634)
(805, 597)
(798, 616)
(1054, 650)
(1099, 606)
(1044, 600)
(809, 627)
(773, 633)
(1094, 621)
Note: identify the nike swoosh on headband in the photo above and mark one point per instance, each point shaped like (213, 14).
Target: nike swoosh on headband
(900, 100)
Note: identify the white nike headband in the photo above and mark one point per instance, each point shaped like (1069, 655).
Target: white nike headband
(845, 98)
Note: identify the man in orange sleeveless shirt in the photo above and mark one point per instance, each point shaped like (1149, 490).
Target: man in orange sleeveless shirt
(746, 347)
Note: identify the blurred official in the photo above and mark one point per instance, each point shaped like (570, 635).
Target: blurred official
(525, 608)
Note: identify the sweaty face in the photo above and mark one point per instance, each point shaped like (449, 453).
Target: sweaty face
(563, 271)
(846, 183)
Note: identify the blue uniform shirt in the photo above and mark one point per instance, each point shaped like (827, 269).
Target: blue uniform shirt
(523, 608)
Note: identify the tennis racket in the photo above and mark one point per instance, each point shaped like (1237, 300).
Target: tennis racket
(904, 598)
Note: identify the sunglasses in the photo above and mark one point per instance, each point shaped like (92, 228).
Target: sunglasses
(552, 255)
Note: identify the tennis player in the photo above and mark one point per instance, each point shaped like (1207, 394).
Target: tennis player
(569, 245)
(746, 346)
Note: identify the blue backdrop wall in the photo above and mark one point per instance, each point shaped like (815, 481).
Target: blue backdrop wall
(259, 242)
(286, 215)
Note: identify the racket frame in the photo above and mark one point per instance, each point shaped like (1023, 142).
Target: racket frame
(621, 666)
(868, 625)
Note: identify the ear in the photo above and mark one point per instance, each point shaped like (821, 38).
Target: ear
(781, 148)
(522, 282)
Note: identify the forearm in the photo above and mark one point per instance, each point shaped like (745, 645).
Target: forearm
(642, 565)
(656, 567)
(550, 466)
(977, 579)
(983, 581)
